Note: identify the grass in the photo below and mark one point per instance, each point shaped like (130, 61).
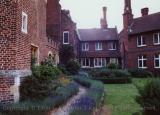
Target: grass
(120, 98)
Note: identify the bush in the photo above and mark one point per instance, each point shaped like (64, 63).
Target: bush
(49, 61)
(64, 93)
(45, 70)
(73, 67)
(121, 80)
(36, 88)
(112, 66)
(66, 54)
(140, 73)
(149, 97)
(111, 76)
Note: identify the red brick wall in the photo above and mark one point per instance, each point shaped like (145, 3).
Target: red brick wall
(102, 53)
(69, 25)
(53, 19)
(5, 93)
(7, 34)
(150, 50)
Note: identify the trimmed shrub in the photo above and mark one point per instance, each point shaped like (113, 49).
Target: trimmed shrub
(66, 53)
(140, 73)
(149, 97)
(112, 66)
(121, 80)
(45, 70)
(73, 67)
(64, 93)
(36, 88)
(111, 76)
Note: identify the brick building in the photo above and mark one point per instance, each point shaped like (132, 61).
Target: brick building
(140, 40)
(23, 34)
(99, 46)
(69, 31)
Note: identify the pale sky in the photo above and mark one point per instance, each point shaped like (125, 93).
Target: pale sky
(87, 13)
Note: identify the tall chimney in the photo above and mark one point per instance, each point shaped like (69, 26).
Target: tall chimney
(144, 11)
(127, 16)
(104, 24)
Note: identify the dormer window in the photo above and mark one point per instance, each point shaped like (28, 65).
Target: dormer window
(112, 46)
(85, 46)
(98, 46)
(66, 37)
(24, 23)
(156, 38)
(141, 41)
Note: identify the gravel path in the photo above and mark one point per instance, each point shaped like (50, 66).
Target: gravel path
(64, 110)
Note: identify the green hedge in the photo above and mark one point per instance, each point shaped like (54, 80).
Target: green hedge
(115, 76)
(140, 73)
(121, 80)
(149, 97)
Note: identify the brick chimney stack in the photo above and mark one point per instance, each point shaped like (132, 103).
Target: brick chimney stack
(144, 11)
(127, 16)
(104, 24)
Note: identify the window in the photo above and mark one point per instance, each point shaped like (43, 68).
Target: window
(157, 61)
(140, 41)
(98, 46)
(113, 60)
(85, 46)
(85, 62)
(24, 22)
(65, 37)
(112, 46)
(99, 62)
(142, 61)
(156, 38)
(35, 53)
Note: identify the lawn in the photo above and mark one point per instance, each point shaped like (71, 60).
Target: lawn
(120, 98)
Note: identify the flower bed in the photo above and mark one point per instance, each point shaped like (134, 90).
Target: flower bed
(93, 98)
(42, 107)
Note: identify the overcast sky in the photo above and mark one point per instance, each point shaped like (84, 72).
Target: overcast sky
(87, 13)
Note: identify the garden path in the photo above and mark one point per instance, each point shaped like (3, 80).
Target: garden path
(64, 110)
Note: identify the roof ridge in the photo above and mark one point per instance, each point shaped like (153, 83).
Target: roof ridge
(147, 15)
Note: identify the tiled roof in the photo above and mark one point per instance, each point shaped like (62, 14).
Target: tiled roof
(145, 24)
(98, 34)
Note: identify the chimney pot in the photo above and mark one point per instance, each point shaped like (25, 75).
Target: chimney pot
(144, 11)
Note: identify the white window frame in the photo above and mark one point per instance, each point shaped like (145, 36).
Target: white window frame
(101, 61)
(142, 59)
(98, 46)
(85, 66)
(158, 39)
(115, 59)
(64, 32)
(112, 48)
(142, 38)
(85, 46)
(24, 26)
(155, 61)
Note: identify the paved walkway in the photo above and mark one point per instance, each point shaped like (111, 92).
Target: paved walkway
(64, 110)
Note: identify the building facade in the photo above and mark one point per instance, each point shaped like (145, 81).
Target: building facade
(69, 31)
(139, 40)
(22, 35)
(99, 47)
